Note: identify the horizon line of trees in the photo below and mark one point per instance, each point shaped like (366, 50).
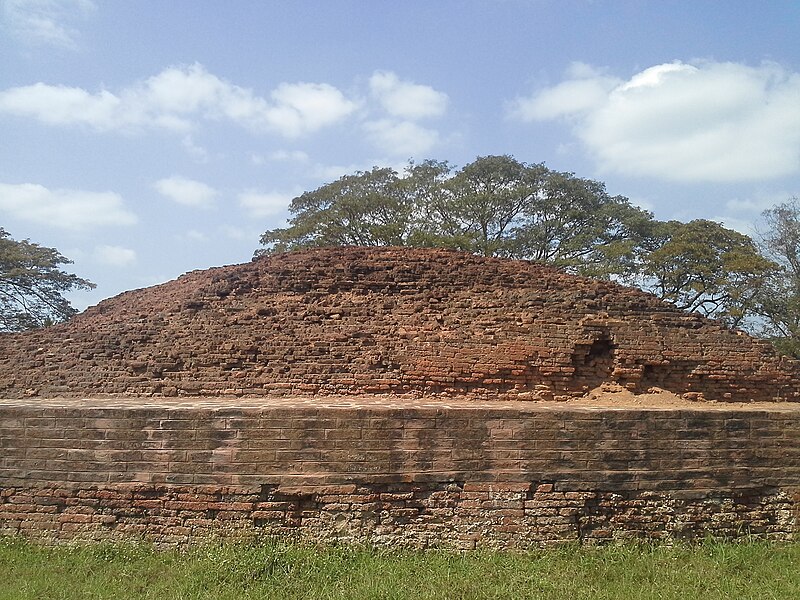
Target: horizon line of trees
(499, 206)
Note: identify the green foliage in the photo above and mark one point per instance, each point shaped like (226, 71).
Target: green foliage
(575, 224)
(478, 208)
(32, 285)
(778, 301)
(704, 267)
(277, 570)
(372, 208)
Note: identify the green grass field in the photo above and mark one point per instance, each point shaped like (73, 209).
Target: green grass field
(276, 570)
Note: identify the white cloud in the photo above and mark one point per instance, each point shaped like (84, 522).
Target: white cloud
(186, 191)
(403, 103)
(586, 88)
(114, 256)
(306, 107)
(177, 99)
(406, 100)
(65, 209)
(46, 22)
(401, 138)
(60, 105)
(703, 122)
(265, 204)
(656, 76)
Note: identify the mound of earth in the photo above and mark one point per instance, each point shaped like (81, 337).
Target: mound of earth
(390, 320)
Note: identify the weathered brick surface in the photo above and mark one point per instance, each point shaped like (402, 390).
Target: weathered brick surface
(448, 455)
(459, 474)
(402, 321)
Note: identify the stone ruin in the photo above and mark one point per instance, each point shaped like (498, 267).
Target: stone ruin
(350, 321)
(394, 397)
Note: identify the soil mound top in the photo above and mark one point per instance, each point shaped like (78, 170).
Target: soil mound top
(390, 320)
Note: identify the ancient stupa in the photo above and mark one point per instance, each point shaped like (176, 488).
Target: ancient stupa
(399, 321)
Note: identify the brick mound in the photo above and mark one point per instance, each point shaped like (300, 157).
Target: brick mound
(389, 320)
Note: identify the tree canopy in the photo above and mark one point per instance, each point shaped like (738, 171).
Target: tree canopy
(701, 266)
(32, 285)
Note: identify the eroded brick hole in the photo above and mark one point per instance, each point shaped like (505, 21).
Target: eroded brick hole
(593, 362)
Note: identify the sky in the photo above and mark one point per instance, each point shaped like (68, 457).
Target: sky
(146, 139)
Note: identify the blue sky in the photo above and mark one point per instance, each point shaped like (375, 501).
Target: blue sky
(146, 139)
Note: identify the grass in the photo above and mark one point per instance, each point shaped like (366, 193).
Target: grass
(277, 570)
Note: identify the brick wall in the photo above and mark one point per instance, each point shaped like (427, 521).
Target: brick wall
(458, 474)
(377, 320)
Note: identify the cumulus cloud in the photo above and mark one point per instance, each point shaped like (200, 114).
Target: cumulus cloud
(401, 138)
(403, 103)
(187, 192)
(114, 256)
(300, 108)
(584, 89)
(65, 209)
(265, 204)
(707, 121)
(405, 99)
(177, 99)
(46, 22)
(61, 105)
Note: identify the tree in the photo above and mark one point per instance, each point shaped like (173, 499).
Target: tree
(704, 267)
(32, 285)
(478, 208)
(778, 301)
(369, 208)
(575, 224)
